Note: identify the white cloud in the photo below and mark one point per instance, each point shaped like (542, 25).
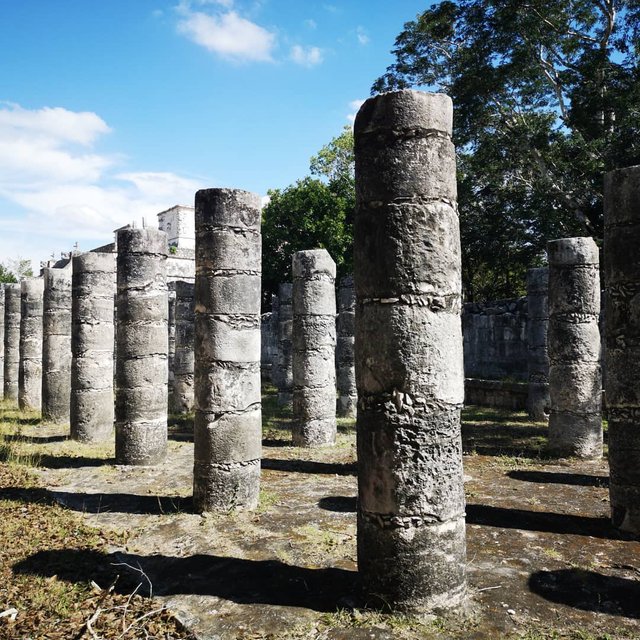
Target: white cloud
(53, 124)
(54, 191)
(311, 24)
(354, 105)
(306, 56)
(228, 35)
(362, 36)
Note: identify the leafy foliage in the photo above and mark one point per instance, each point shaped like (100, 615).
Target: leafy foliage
(16, 269)
(313, 213)
(546, 96)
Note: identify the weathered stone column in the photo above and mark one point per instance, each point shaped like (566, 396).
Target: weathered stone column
(314, 349)
(30, 368)
(622, 340)
(11, 340)
(183, 357)
(142, 310)
(228, 416)
(575, 384)
(345, 366)
(2, 312)
(273, 334)
(538, 402)
(409, 363)
(171, 333)
(284, 380)
(92, 331)
(56, 344)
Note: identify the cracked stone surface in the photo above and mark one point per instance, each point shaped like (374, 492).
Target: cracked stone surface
(409, 360)
(11, 340)
(538, 401)
(345, 356)
(92, 340)
(56, 344)
(622, 339)
(30, 365)
(314, 348)
(228, 414)
(142, 307)
(575, 379)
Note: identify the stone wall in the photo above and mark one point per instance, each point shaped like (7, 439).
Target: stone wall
(495, 339)
(496, 393)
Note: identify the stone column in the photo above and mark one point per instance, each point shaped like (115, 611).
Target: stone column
(30, 368)
(314, 349)
(171, 333)
(575, 384)
(228, 415)
(345, 366)
(2, 312)
(56, 344)
(538, 402)
(285, 347)
(409, 363)
(273, 333)
(92, 331)
(622, 340)
(183, 358)
(143, 343)
(11, 340)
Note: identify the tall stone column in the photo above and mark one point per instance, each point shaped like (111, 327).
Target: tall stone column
(622, 343)
(314, 349)
(30, 368)
(171, 333)
(183, 357)
(345, 365)
(228, 415)
(92, 336)
(273, 332)
(56, 345)
(409, 364)
(142, 310)
(538, 401)
(12, 314)
(285, 346)
(575, 384)
(2, 312)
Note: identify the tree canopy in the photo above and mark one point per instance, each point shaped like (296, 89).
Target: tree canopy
(16, 269)
(314, 213)
(546, 99)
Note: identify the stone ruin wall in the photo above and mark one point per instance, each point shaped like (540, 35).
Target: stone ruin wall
(495, 339)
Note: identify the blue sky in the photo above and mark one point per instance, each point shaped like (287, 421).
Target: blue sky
(117, 109)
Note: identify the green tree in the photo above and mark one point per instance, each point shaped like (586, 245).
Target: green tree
(305, 215)
(546, 99)
(16, 269)
(314, 213)
(6, 275)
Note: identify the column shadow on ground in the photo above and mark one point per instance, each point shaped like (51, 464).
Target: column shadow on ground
(589, 591)
(101, 502)
(72, 462)
(545, 521)
(35, 439)
(310, 466)
(553, 477)
(340, 504)
(243, 581)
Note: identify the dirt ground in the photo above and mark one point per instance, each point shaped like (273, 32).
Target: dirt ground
(543, 560)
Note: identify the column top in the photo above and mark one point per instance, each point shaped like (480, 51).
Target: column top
(573, 251)
(405, 109)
